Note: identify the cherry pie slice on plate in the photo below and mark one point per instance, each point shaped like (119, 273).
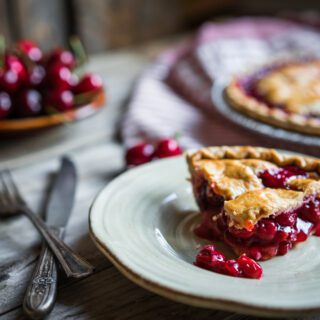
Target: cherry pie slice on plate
(286, 95)
(144, 222)
(259, 202)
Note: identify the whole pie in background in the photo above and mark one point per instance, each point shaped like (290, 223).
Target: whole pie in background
(286, 95)
(260, 202)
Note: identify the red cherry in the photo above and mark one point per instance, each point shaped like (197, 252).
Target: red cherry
(60, 100)
(5, 105)
(9, 81)
(286, 219)
(266, 230)
(89, 82)
(233, 269)
(249, 267)
(36, 76)
(139, 154)
(30, 49)
(14, 74)
(167, 148)
(62, 56)
(59, 76)
(29, 103)
(241, 233)
(284, 247)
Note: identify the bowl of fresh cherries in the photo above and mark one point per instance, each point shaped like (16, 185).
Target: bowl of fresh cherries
(44, 89)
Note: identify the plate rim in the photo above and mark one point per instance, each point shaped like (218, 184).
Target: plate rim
(180, 296)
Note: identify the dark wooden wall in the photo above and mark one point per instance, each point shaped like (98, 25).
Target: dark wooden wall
(105, 24)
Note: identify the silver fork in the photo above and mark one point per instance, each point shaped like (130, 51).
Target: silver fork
(12, 203)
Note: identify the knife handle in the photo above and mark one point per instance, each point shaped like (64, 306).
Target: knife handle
(41, 293)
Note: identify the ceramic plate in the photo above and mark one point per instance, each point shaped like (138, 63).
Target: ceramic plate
(230, 113)
(18, 126)
(143, 221)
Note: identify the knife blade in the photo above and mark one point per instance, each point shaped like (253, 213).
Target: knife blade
(41, 293)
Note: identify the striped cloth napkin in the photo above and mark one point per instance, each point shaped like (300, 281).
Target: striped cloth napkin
(174, 94)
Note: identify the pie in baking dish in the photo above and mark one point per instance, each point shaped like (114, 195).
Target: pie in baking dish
(286, 95)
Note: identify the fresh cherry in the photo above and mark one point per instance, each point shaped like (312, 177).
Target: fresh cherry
(30, 49)
(9, 81)
(5, 104)
(36, 76)
(167, 148)
(29, 103)
(59, 76)
(62, 56)
(15, 64)
(139, 154)
(59, 100)
(88, 83)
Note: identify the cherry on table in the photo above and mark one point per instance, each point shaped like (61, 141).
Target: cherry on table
(167, 148)
(89, 82)
(60, 100)
(62, 56)
(29, 103)
(139, 154)
(30, 49)
(5, 104)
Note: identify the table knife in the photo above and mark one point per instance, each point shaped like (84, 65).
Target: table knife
(42, 289)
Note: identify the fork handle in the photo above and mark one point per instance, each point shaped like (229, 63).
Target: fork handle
(73, 264)
(41, 293)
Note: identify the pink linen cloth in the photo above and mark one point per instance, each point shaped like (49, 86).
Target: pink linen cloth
(174, 94)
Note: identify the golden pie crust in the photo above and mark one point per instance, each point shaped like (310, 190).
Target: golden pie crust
(231, 172)
(295, 86)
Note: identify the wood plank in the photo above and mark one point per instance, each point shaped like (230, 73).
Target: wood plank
(109, 295)
(5, 28)
(110, 24)
(44, 21)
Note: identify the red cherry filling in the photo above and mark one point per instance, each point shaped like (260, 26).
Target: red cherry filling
(277, 178)
(210, 258)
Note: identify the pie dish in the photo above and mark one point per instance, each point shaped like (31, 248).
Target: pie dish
(258, 201)
(285, 94)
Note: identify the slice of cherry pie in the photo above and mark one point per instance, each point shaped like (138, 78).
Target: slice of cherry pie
(258, 201)
(284, 94)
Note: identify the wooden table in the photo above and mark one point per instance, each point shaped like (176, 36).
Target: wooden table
(99, 157)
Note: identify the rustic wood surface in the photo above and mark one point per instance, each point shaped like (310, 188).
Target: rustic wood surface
(99, 158)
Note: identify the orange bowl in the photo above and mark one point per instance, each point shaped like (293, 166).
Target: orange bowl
(16, 126)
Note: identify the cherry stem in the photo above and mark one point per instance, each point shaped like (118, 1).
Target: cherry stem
(2, 50)
(78, 50)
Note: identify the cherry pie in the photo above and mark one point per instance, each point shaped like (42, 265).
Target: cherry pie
(258, 201)
(284, 94)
